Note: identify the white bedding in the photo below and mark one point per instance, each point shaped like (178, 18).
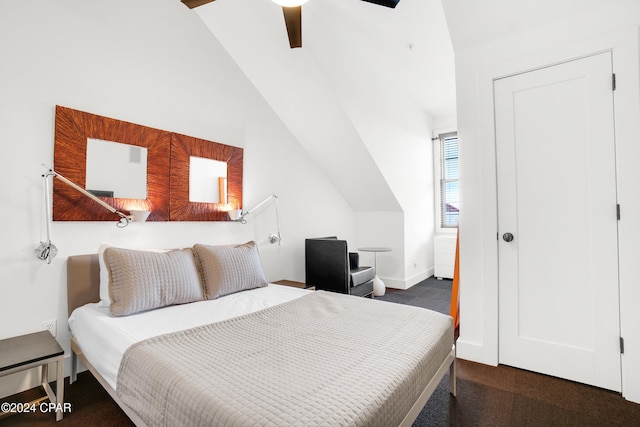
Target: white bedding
(104, 338)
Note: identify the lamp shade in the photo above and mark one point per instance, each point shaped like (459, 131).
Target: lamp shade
(235, 214)
(139, 215)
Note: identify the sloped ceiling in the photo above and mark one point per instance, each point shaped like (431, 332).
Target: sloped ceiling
(361, 63)
(356, 57)
(474, 23)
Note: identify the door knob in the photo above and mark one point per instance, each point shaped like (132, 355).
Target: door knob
(507, 237)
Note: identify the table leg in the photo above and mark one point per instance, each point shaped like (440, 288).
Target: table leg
(74, 367)
(44, 374)
(379, 288)
(60, 389)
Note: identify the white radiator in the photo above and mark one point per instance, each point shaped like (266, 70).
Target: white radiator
(444, 256)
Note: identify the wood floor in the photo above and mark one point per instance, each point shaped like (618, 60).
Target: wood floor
(487, 396)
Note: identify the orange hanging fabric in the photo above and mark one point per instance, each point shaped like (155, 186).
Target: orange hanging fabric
(454, 311)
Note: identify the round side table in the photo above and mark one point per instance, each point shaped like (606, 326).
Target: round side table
(378, 285)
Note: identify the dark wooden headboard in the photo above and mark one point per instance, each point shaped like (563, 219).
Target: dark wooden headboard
(83, 281)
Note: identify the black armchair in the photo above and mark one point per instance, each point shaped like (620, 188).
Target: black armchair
(330, 267)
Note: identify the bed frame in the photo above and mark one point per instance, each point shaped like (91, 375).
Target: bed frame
(83, 287)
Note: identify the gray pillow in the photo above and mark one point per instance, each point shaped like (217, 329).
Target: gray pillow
(229, 269)
(141, 281)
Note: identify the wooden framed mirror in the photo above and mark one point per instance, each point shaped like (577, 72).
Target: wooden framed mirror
(186, 153)
(74, 131)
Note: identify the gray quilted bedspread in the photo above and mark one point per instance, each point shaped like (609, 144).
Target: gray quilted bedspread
(324, 359)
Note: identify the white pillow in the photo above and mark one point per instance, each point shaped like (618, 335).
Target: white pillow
(229, 269)
(145, 280)
(105, 300)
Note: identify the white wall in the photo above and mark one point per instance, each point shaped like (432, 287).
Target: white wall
(400, 144)
(383, 229)
(398, 136)
(615, 27)
(150, 62)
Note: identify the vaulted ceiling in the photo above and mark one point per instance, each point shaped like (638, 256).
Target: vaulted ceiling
(473, 23)
(363, 70)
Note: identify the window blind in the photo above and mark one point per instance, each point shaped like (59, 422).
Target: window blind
(449, 181)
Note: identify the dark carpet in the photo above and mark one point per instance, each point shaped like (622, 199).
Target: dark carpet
(487, 396)
(505, 396)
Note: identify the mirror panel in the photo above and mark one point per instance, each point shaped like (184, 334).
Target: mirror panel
(72, 130)
(183, 148)
(207, 180)
(116, 170)
(168, 160)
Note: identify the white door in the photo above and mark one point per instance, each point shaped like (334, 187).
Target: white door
(559, 307)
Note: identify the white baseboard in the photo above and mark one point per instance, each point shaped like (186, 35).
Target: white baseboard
(473, 352)
(406, 284)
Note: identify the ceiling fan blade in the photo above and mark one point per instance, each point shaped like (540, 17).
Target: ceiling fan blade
(388, 3)
(195, 3)
(293, 19)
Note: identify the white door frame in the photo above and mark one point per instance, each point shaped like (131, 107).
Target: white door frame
(478, 339)
(578, 338)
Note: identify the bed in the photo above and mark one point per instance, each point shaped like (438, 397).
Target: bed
(266, 355)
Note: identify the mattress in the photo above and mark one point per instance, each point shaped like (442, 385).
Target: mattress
(324, 359)
(104, 338)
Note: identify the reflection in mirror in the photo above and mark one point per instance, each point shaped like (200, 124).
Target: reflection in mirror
(207, 180)
(116, 170)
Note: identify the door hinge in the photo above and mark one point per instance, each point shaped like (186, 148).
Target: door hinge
(618, 211)
(613, 81)
(621, 345)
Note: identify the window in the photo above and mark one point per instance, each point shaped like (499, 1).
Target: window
(447, 177)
